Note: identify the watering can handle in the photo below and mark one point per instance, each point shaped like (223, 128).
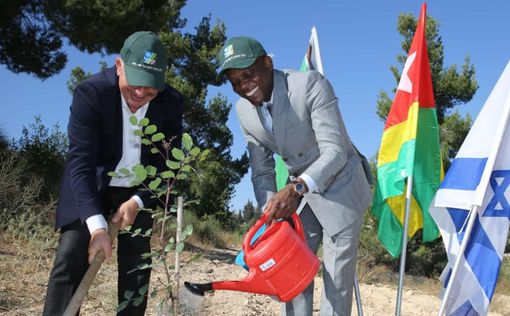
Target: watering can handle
(298, 227)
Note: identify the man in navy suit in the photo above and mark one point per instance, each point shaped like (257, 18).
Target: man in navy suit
(101, 140)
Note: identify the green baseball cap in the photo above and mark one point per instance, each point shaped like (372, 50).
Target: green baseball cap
(144, 60)
(239, 53)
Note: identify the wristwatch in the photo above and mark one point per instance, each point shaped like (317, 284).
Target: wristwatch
(299, 188)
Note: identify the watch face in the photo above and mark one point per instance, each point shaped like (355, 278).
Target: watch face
(300, 188)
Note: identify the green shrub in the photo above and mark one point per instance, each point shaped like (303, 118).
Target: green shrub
(423, 259)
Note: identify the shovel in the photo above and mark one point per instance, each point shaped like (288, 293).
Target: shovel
(75, 303)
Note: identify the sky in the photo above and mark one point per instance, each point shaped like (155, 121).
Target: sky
(358, 42)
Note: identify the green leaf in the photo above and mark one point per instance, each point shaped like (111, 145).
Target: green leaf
(154, 150)
(180, 247)
(148, 232)
(186, 168)
(144, 266)
(112, 174)
(138, 132)
(173, 164)
(151, 129)
(187, 142)
(135, 183)
(128, 294)
(143, 289)
(133, 120)
(122, 305)
(167, 174)
(140, 172)
(151, 170)
(148, 255)
(138, 301)
(157, 137)
(181, 176)
(194, 152)
(124, 171)
(178, 154)
(137, 231)
(188, 230)
(145, 141)
(204, 154)
(169, 247)
(143, 122)
(154, 293)
(154, 183)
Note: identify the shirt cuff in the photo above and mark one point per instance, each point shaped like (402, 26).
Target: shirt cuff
(138, 200)
(309, 182)
(96, 222)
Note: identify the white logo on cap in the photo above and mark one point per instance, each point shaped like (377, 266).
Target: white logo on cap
(228, 51)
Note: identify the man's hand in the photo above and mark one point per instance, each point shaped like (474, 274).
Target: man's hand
(283, 204)
(126, 213)
(100, 240)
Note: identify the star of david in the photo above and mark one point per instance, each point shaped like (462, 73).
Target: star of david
(498, 205)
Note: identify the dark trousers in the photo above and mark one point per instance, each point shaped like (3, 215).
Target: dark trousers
(71, 259)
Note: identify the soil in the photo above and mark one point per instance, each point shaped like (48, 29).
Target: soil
(23, 293)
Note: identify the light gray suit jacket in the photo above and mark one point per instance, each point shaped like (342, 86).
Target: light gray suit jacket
(309, 134)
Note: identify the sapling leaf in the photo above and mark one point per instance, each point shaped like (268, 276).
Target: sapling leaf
(151, 129)
(167, 174)
(154, 183)
(140, 172)
(178, 153)
(194, 152)
(173, 164)
(151, 170)
(157, 137)
(143, 122)
(187, 142)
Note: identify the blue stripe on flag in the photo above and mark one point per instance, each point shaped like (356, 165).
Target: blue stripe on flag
(483, 259)
(480, 253)
(465, 309)
(459, 217)
(464, 174)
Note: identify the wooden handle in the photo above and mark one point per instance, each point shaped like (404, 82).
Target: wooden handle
(75, 303)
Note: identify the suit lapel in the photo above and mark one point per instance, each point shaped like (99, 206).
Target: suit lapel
(281, 106)
(118, 123)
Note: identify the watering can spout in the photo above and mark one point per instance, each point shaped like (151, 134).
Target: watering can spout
(250, 284)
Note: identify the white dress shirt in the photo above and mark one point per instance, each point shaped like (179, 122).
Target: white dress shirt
(131, 152)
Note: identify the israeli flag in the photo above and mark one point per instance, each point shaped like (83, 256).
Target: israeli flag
(479, 180)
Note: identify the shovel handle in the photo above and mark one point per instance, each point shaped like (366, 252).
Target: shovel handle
(75, 303)
(298, 227)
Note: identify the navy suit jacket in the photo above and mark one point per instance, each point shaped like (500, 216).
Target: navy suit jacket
(95, 143)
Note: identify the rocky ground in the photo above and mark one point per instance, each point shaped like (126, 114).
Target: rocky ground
(22, 290)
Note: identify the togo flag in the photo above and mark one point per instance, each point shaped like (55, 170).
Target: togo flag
(409, 146)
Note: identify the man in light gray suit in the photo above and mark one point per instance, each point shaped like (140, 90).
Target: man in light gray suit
(296, 115)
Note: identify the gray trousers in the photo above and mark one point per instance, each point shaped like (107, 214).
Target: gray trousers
(339, 257)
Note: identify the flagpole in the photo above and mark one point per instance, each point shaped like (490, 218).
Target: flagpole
(463, 245)
(404, 244)
(478, 199)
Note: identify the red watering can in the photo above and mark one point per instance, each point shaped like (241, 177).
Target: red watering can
(280, 263)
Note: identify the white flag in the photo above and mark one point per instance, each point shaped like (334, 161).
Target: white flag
(479, 176)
